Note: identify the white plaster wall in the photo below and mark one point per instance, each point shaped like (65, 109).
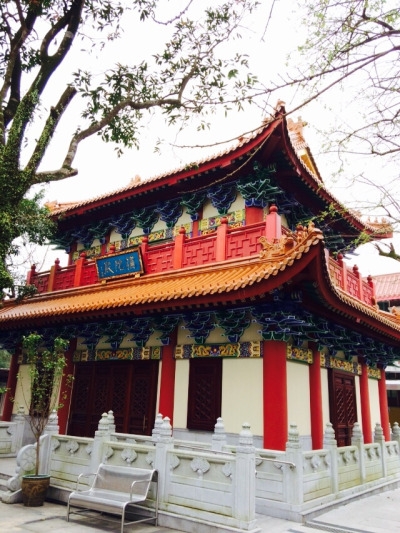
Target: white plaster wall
(325, 397)
(23, 390)
(373, 386)
(298, 396)
(217, 335)
(251, 333)
(182, 337)
(185, 218)
(242, 394)
(358, 400)
(210, 211)
(181, 393)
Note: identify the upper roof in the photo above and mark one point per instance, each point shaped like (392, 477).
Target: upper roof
(387, 287)
(279, 141)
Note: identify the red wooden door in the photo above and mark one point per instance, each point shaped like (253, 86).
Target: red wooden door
(128, 388)
(205, 389)
(343, 409)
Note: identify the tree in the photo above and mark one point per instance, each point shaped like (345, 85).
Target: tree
(351, 59)
(188, 77)
(46, 370)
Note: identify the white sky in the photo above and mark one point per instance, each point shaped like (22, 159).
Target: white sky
(101, 171)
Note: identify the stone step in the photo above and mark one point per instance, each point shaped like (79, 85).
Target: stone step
(3, 482)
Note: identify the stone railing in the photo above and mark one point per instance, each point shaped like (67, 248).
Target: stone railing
(219, 485)
(11, 435)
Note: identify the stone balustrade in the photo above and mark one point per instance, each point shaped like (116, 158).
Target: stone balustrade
(219, 485)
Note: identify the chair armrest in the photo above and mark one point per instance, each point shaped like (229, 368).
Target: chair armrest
(134, 483)
(82, 476)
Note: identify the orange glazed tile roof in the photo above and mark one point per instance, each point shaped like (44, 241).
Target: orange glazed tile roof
(172, 287)
(387, 286)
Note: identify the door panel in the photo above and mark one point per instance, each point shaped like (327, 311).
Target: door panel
(343, 409)
(128, 388)
(205, 389)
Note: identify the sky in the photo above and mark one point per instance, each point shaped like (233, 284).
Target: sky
(268, 45)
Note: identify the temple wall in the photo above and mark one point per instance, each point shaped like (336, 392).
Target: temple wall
(210, 211)
(373, 385)
(298, 395)
(325, 396)
(242, 394)
(185, 218)
(358, 401)
(181, 393)
(23, 389)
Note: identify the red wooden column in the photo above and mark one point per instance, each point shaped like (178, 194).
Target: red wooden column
(254, 215)
(365, 410)
(275, 395)
(167, 382)
(383, 405)
(317, 423)
(11, 388)
(66, 388)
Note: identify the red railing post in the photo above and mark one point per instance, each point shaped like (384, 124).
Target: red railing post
(360, 283)
(343, 266)
(30, 275)
(222, 232)
(79, 266)
(273, 225)
(179, 243)
(52, 275)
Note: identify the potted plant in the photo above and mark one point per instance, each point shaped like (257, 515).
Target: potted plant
(46, 369)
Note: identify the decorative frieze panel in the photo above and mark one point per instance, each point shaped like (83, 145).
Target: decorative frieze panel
(302, 355)
(340, 364)
(134, 354)
(374, 373)
(235, 219)
(93, 251)
(239, 349)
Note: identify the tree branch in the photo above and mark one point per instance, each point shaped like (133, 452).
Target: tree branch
(49, 129)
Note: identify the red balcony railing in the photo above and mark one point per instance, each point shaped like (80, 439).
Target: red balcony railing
(225, 243)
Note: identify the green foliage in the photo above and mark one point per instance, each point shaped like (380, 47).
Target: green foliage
(5, 359)
(187, 77)
(46, 370)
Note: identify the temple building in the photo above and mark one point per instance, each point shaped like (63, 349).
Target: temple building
(215, 290)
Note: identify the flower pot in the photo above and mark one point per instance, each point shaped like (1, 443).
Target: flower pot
(34, 489)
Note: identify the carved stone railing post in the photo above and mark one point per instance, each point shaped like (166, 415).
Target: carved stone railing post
(164, 444)
(379, 438)
(396, 433)
(155, 434)
(100, 436)
(219, 436)
(357, 439)
(245, 480)
(18, 435)
(293, 475)
(52, 428)
(331, 445)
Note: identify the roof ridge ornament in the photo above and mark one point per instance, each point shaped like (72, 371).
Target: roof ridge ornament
(289, 242)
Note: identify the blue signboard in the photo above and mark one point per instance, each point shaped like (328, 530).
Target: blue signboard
(117, 265)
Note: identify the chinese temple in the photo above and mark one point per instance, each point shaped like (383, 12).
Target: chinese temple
(215, 290)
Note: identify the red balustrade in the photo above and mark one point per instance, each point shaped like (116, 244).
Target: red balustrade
(158, 258)
(350, 281)
(199, 250)
(224, 243)
(243, 242)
